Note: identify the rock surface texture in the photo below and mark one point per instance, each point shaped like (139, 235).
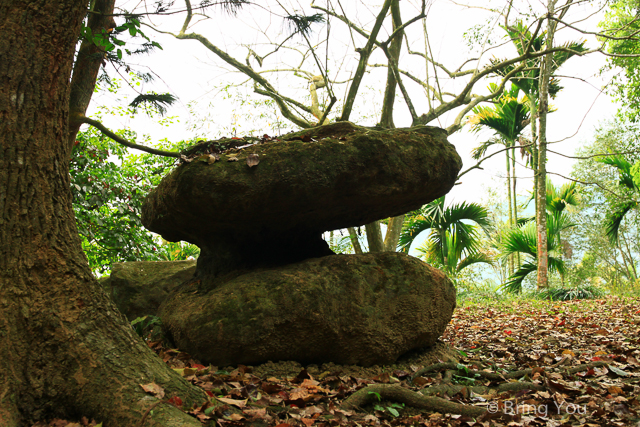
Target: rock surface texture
(267, 286)
(349, 309)
(138, 288)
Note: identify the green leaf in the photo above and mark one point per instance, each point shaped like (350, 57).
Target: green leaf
(376, 394)
(393, 412)
(119, 53)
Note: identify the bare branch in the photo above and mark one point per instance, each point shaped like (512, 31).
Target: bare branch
(477, 165)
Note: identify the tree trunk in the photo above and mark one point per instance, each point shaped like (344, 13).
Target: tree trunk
(353, 236)
(66, 351)
(386, 117)
(87, 65)
(515, 199)
(374, 237)
(394, 230)
(541, 176)
(510, 260)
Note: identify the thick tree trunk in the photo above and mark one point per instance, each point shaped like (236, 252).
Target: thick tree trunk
(66, 351)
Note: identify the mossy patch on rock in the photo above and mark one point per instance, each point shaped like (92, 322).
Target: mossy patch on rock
(139, 288)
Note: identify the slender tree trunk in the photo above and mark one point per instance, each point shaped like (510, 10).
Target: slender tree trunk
(386, 116)
(87, 65)
(353, 236)
(392, 235)
(511, 257)
(541, 176)
(66, 351)
(374, 237)
(515, 199)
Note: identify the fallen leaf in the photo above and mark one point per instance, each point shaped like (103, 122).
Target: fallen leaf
(153, 389)
(253, 160)
(235, 402)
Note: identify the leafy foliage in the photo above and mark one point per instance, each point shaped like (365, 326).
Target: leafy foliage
(620, 22)
(452, 243)
(567, 294)
(603, 260)
(108, 187)
(524, 240)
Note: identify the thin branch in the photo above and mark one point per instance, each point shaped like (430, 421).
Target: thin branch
(585, 183)
(458, 120)
(595, 155)
(102, 128)
(477, 165)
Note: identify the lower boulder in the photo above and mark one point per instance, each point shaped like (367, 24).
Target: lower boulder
(347, 309)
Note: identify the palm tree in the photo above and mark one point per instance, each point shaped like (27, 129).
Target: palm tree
(528, 82)
(614, 218)
(508, 119)
(524, 240)
(452, 244)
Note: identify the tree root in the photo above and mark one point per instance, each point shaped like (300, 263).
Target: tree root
(425, 399)
(396, 393)
(451, 389)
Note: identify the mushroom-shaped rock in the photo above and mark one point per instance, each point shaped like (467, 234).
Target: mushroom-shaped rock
(305, 183)
(348, 309)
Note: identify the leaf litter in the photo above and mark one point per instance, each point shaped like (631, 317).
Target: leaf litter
(524, 363)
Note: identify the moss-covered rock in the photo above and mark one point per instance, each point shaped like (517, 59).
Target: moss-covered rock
(320, 179)
(349, 309)
(138, 288)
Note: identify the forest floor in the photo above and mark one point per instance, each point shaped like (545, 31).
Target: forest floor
(519, 363)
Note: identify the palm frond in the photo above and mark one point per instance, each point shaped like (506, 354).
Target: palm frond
(614, 220)
(475, 258)
(514, 284)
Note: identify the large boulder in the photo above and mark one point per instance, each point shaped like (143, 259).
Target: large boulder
(348, 309)
(138, 288)
(308, 182)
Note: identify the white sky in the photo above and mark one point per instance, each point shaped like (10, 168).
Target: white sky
(188, 70)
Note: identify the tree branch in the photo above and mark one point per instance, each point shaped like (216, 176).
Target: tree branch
(102, 128)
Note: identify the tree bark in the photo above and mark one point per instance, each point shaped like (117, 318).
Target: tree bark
(66, 351)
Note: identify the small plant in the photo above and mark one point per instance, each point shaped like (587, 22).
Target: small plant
(147, 326)
(567, 294)
(392, 408)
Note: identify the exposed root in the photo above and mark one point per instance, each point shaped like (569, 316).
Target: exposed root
(451, 389)
(396, 393)
(425, 399)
